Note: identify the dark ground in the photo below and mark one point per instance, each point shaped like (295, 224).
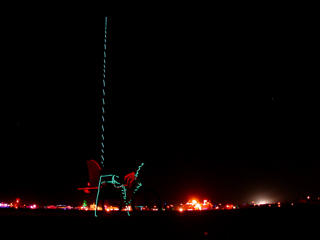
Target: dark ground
(277, 223)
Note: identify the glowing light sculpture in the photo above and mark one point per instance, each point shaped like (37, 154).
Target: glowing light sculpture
(113, 181)
(116, 184)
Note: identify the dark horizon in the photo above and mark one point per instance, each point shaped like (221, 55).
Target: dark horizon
(219, 107)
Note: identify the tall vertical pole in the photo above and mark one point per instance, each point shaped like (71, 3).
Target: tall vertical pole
(103, 90)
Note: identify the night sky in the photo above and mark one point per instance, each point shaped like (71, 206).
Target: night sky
(221, 105)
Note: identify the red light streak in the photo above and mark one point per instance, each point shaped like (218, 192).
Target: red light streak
(129, 178)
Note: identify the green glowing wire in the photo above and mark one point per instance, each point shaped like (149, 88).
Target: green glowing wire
(139, 169)
(116, 184)
(103, 91)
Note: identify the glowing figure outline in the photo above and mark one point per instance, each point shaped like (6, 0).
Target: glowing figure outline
(116, 184)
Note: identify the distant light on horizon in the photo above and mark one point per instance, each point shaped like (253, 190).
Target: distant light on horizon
(264, 201)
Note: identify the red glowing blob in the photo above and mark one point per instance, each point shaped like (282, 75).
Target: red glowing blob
(94, 172)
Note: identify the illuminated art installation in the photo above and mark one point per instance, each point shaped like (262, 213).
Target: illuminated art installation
(116, 184)
(112, 178)
(103, 91)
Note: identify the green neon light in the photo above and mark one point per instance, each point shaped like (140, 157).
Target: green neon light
(115, 183)
(139, 169)
(103, 88)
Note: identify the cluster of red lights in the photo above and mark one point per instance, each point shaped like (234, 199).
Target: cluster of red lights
(17, 205)
(192, 205)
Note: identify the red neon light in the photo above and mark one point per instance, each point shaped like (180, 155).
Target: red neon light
(88, 188)
(94, 172)
(129, 178)
(94, 162)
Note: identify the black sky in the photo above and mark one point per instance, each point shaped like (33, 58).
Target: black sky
(221, 105)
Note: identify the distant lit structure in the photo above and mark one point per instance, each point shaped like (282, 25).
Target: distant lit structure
(4, 205)
(84, 204)
(64, 207)
(92, 207)
(195, 206)
(51, 207)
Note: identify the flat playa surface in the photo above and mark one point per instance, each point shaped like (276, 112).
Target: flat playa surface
(277, 223)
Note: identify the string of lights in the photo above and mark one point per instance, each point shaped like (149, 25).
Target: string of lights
(103, 90)
(139, 184)
(139, 169)
(124, 196)
(113, 181)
